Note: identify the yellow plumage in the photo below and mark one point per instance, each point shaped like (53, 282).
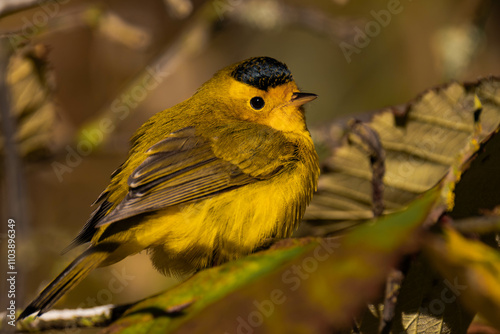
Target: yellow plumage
(206, 181)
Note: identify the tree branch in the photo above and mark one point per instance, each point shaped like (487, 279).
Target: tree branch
(9, 7)
(99, 316)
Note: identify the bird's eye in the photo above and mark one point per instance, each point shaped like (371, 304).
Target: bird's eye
(257, 102)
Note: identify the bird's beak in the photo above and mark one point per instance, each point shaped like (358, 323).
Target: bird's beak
(299, 99)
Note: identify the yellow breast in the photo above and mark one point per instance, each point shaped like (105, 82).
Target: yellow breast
(230, 225)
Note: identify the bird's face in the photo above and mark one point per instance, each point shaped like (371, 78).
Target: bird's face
(262, 90)
(279, 107)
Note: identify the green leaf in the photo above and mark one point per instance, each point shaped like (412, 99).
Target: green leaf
(473, 267)
(298, 285)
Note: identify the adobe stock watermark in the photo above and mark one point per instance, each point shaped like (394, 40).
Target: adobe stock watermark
(116, 285)
(292, 278)
(381, 19)
(46, 11)
(448, 295)
(120, 109)
(11, 272)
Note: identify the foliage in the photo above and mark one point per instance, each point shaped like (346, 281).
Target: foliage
(429, 263)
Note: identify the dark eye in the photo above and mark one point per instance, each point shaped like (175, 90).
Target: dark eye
(257, 102)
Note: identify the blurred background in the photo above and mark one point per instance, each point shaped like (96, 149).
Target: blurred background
(102, 68)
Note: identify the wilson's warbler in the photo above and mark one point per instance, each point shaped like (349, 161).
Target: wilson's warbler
(206, 181)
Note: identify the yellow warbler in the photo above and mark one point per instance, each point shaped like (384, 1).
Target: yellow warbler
(206, 181)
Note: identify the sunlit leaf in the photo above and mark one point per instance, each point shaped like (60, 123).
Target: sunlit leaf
(473, 267)
(312, 284)
(421, 141)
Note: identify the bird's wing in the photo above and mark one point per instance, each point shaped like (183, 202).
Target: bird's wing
(185, 167)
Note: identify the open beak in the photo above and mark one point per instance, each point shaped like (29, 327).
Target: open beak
(299, 99)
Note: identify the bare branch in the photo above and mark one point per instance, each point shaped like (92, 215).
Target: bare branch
(99, 316)
(9, 7)
(191, 41)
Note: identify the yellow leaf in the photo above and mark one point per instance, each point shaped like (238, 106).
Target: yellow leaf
(474, 270)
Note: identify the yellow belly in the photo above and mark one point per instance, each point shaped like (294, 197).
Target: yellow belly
(189, 237)
(224, 227)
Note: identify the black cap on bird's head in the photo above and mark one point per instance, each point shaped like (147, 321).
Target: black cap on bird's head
(262, 72)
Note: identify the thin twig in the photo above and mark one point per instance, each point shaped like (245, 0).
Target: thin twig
(97, 17)
(392, 289)
(370, 142)
(9, 7)
(191, 41)
(479, 225)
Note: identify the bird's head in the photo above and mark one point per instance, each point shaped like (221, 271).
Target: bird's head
(260, 90)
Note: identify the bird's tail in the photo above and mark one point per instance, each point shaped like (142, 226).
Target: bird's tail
(71, 276)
